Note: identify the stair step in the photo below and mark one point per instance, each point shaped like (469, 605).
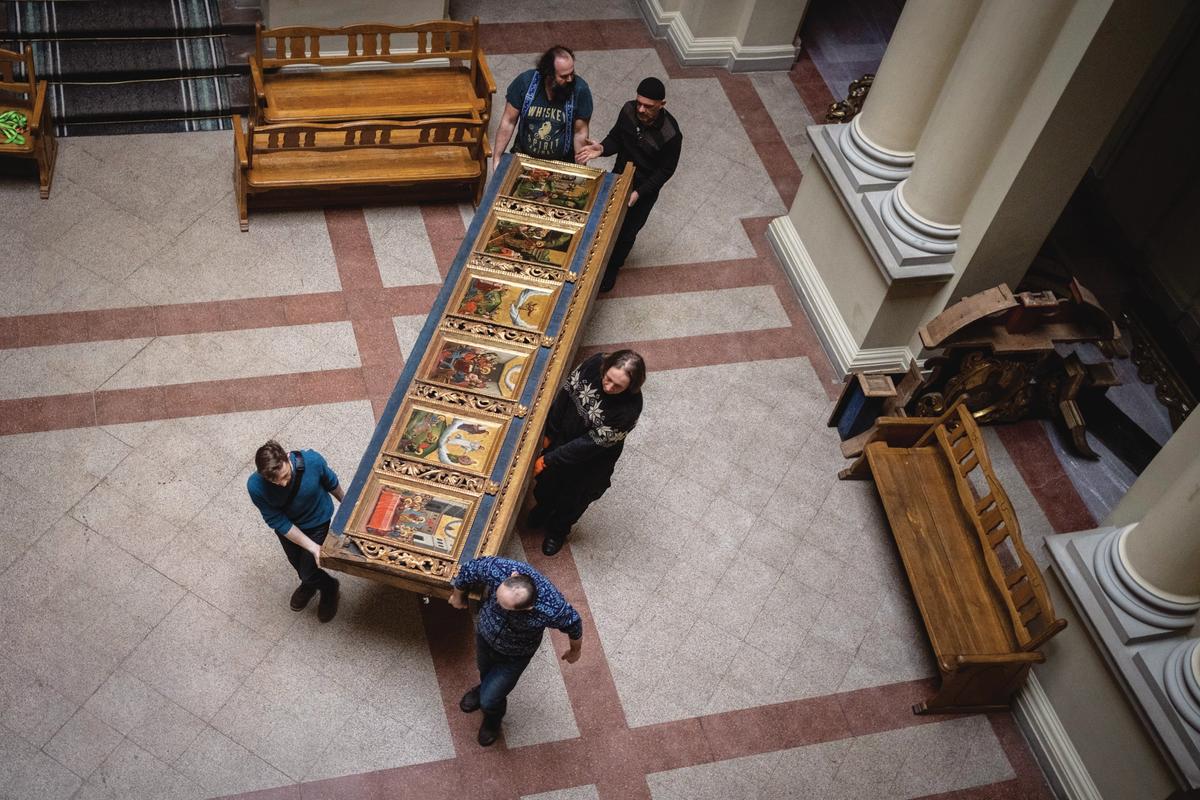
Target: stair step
(93, 19)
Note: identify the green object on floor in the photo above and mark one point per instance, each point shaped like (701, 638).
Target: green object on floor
(12, 125)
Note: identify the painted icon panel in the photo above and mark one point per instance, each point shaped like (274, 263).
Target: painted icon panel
(476, 366)
(450, 439)
(427, 519)
(504, 300)
(555, 188)
(514, 238)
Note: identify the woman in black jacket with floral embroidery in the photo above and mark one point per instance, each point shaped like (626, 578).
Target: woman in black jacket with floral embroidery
(595, 409)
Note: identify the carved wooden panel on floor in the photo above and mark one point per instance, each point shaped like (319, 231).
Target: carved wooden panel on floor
(443, 478)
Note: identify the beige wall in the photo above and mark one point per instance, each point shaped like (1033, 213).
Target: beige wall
(751, 22)
(1105, 730)
(837, 251)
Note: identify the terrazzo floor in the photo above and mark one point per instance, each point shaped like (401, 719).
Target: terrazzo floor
(749, 631)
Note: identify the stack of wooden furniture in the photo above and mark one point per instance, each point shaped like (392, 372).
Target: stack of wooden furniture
(979, 592)
(26, 95)
(384, 105)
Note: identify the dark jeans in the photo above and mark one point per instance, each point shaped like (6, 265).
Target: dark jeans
(635, 219)
(498, 674)
(306, 567)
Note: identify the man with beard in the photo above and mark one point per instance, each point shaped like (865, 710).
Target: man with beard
(548, 107)
(646, 134)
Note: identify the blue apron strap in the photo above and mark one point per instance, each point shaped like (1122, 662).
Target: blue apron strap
(569, 110)
(529, 95)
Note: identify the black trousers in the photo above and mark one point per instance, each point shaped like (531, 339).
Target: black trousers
(561, 501)
(635, 220)
(305, 565)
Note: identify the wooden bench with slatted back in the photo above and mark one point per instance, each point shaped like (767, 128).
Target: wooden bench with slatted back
(980, 593)
(314, 158)
(373, 74)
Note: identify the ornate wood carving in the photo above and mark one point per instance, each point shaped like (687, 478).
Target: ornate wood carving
(474, 402)
(856, 95)
(506, 265)
(539, 211)
(500, 333)
(421, 563)
(439, 476)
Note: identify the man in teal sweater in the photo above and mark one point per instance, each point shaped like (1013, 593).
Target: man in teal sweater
(292, 493)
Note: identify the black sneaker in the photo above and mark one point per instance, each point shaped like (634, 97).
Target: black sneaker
(327, 607)
(488, 734)
(551, 545)
(301, 596)
(470, 701)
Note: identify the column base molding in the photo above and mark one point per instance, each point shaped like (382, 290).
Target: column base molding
(713, 51)
(1143, 666)
(1050, 741)
(865, 198)
(839, 343)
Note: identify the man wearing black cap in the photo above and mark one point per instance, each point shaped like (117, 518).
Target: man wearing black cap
(646, 134)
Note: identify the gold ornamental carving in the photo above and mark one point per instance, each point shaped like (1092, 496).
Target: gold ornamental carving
(540, 211)
(396, 465)
(856, 95)
(501, 333)
(513, 267)
(475, 402)
(399, 557)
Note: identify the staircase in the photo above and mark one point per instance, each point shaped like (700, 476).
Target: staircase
(136, 66)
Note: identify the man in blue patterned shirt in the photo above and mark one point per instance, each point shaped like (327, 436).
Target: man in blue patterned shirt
(519, 603)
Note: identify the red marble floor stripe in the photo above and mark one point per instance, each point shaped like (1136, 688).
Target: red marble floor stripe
(444, 225)
(450, 635)
(352, 249)
(709, 349)
(814, 92)
(772, 151)
(67, 327)
(1031, 780)
(58, 412)
(534, 37)
(1005, 790)
(1034, 456)
(589, 681)
(116, 406)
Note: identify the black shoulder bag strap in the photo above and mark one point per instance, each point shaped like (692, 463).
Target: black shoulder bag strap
(297, 476)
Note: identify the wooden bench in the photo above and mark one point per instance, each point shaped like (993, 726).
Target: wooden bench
(376, 72)
(980, 593)
(315, 157)
(26, 95)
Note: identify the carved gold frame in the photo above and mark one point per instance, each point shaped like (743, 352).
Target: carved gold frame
(497, 215)
(489, 402)
(571, 170)
(519, 280)
(374, 489)
(437, 472)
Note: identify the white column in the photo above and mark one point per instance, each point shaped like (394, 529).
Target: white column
(1151, 569)
(1003, 51)
(882, 139)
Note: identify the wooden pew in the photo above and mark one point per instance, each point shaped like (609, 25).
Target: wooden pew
(980, 593)
(312, 157)
(373, 74)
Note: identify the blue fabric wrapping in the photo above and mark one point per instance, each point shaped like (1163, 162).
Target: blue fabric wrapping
(538, 367)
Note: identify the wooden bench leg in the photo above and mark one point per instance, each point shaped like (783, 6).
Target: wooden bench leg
(47, 154)
(239, 191)
(975, 688)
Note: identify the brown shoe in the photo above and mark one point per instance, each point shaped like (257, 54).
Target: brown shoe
(301, 596)
(327, 607)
